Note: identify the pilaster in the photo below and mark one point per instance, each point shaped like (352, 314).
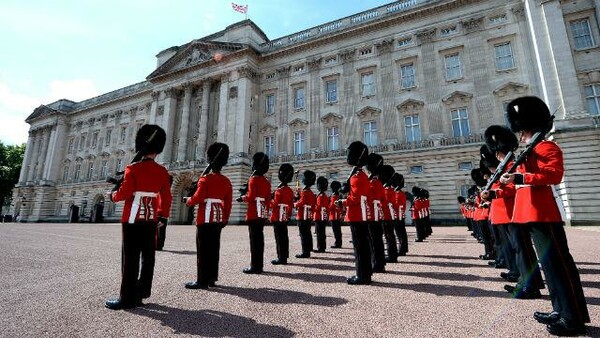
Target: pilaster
(27, 158)
(183, 132)
(222, 122)
(168, 124)
(203, 123)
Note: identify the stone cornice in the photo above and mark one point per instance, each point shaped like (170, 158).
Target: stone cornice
(410, 105)
(297, 122)
(347, 55)
(368, 112)
(268, 129)
(314, 64)
(457, 97)
(473, 24)
(330, 118)
(426, 35)
(385, 46)
(512, 88)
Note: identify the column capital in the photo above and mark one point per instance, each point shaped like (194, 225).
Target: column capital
(385, 45)
(155, 95)
(347, 55)
(426, 35)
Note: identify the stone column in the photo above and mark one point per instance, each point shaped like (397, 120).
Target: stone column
(153, 107)
(48, 162)
(185, 123)
(56, 152)
(203, 123)
(222, 122)
(27, 157)
(43, 152)
(282, 114)
(386, 87)
(243, 118)
(168, 119)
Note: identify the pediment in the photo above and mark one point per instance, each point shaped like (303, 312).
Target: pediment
(197, 52)
(457, 97)
(268, 129)
(410, 105)
(41, 111)
(297, 122)
(511, 88)
(105, 154)
(331, 118)
(368, 112)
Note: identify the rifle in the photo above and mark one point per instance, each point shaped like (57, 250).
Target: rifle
(119, 176)
(499, 171)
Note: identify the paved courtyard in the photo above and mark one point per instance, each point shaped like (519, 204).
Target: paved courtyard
(55, 278)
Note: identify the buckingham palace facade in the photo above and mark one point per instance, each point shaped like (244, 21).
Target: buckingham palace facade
(417, 80)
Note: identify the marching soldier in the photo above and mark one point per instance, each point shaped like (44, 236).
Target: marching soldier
(213, 196)
(258, 198)
(389, 213)
(161, 233)
(320, 214)
(417, 208)
(281, 206)
(400, 205)
(463, 210)
(305, 204)
(537, 208)
(335, 214)
(143, 183)
(374, 164)
(480, 216)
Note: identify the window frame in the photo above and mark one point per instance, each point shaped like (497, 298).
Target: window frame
(299, 102)
(499, 59)
(371, 132)
(595, 87)
(577, 38)
(459, 118)
(328, 94)
(333, 133)
(448, 67)
(299, 138)
(412, 127)
(370, 85)
(269, 145)
(403, 76)
(270, 106)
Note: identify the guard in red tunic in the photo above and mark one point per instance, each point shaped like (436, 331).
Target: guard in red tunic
(537, 208)
(374, 164)
(161, 232)
(400, 205)
(258, 198)
(358, 212)
(320, 213)
(335, 214)
(480, 216)
(213, 197)
(417, 213)
(281, 207)
(305, 206)
(463, 210)
(143, 183)
(389, 213)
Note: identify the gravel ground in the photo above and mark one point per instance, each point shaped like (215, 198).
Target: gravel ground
(56, 277)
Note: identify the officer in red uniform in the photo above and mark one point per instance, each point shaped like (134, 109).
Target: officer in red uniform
(480, 216)
(258, 198)
(281, 207)
(305, 206)
(335, 214)
(374, 164)
(358, 212)
(213, 196)
(389, 213)
(320, 213)
(463, 210)
(400, 206)
(538, 209)
(143, 183)
(418, 214)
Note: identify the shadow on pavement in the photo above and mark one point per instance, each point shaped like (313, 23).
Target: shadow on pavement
(180, 252)
(589, 271)
(325, 266)
(447, 276)
(308, 277)
(444, 256)
(448, 264)
(447, 290)
(208, 323)
(590, 284)
(335, 259)
(277, 296)
(592, 301)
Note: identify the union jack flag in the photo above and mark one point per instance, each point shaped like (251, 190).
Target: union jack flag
(239, 8)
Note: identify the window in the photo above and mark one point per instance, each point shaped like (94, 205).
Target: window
(299, 143)
(94, 139)
(90, 171)
(123, 134)
(463, 191)
(119, 165)
(407, 76)
(370, 133)
(505, 112)
(270, 104)
(77, 171)
(71, 143)
(464, 166)
(104, 169)
(453, 70)
(299, 98)
(412, 128)
(592, 96)
(82, 142)
(299, 68)
(65, 175)
(504, 56)
(333, 138)
(367, 84)
(498, 19)
(270, 146)
(331, 60)
(270, 76)
(460, 122)
(416, 169)
(333, 176)
(448, 31)
(582, 34)
(366, 51)
(331, 91)
(404, 42)
(107, 139)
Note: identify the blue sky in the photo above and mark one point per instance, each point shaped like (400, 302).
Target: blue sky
(77, 49)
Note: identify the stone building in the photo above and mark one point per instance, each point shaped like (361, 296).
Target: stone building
(416, 80)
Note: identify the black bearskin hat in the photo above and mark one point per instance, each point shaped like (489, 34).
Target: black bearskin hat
(500, 138)
(335, 186)
(477, 176)
(460, 199)
(309, 178)
(484, 169)
(217, 155)
(260, 163)
(425, 193)
(322, 184)
(374, 163)
(150, 139)
(385, 173)
(416, 191)
(397, 180)
(529, 113)
(286, 173)
(488, 159)
(357, 154)
(345, 188)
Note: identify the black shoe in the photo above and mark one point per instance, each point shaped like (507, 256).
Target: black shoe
(402, 253)
(354, 280)
(302, 256)
(418, 240)
(195, 286)
(391, 260)
(337, 246)
(501, 266)
(117, 304)
(252, 271)
(528, 294)
(279, 262)
(212, 284)
(562, 327)
(319, 251)
(509, 277)
(546, 318)
(159, 249)
(492, 263)
(379, 270)
(510, 288)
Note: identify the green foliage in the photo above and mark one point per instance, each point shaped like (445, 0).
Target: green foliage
(11, 158)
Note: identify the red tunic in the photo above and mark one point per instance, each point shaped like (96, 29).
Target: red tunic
(401, 204)
(503, 205)
(259, 194)
(282, 204)
(145, 178)
(358, 202)
(417, 208)
(478, 212)
(534, 200)
(335, 212)
(390, 209)
(321, 206)
(305, 204)
(213, 196)
(379, 201)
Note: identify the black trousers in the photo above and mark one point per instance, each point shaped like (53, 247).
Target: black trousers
(377, 247)
(562, 276)
(282, 240)
(306, 240)
(208, 244)
(400, 228)
(139, 241)
(487, 238)
(362, 250)
(507, 249)
(497, 243)
(161, 236)
(257, 243)
(320, 227)
(390, 240)
(525, 257)
(336, 226)
(420, 228)
(469, 224)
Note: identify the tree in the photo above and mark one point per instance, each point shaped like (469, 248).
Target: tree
(11, 159)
